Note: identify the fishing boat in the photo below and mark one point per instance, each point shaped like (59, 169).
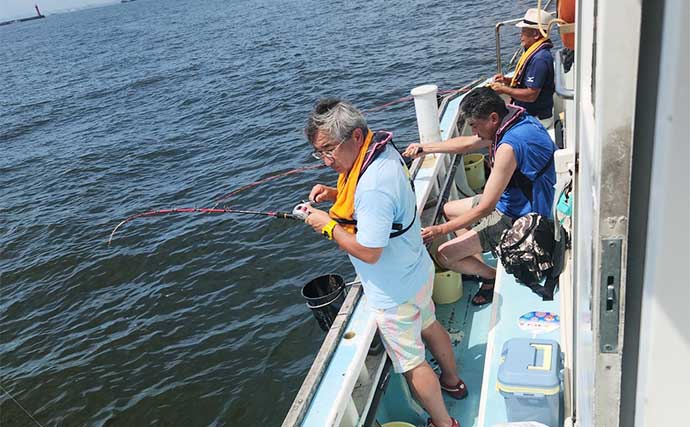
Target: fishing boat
(620, 315)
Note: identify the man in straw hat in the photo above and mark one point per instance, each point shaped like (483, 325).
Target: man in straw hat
(532, 84)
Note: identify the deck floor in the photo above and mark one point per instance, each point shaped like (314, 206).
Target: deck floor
(473, 330)
(468, 327)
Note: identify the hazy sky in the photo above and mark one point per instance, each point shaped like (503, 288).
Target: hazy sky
(10, 9)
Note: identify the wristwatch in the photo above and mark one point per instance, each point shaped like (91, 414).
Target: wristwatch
(327, 229)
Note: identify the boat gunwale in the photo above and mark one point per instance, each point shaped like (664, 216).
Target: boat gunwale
(310, 384)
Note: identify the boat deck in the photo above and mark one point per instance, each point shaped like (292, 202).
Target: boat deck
(511, 301)
(477, 336)
(468, 327)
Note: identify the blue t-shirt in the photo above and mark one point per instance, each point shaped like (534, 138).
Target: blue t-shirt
(533, 149)
(383, 197)
(539, 74)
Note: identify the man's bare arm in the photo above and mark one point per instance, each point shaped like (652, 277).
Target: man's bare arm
(457, 145)
(504, 167)
(528, 94)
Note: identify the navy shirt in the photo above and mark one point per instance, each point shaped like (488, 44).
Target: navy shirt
(539, 74)
(533, 149)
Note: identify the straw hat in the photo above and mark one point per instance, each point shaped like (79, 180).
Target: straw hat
(533, 16)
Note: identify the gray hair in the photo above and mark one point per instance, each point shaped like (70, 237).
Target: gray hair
(335, 117)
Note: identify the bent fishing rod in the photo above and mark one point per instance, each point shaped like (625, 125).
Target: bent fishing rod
(295, 215)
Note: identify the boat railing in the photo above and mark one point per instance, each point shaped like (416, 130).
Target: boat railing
(561, 90)
(497, 30)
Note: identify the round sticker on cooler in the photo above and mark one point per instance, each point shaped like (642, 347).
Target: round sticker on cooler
(539, 322)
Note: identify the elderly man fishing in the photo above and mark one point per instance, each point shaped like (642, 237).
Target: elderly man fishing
(374, 220)
(532, 84)
(521, 181)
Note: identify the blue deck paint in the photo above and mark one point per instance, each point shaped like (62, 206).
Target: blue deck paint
(511, 300)
(468, 326)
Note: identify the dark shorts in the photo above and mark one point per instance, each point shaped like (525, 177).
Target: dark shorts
(491, 227)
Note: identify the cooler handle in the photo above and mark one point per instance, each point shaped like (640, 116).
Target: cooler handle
(546, 360)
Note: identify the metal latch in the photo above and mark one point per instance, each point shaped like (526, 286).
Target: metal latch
(609, 308)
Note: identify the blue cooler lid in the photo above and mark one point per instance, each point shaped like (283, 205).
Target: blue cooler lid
(529, 366)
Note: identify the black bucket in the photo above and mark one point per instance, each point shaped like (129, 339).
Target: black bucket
(325, 295)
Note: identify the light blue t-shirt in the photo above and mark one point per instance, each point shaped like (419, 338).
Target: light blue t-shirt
(384, 196)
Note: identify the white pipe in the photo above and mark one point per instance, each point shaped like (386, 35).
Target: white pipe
(426, 107)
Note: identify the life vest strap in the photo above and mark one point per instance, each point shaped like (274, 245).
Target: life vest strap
(376, 148)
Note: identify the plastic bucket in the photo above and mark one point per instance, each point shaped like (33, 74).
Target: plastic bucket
(447, 287)
(474, 170)
(325, 295)
(447, 283)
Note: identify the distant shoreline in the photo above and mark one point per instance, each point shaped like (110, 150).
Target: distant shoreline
(31, 18)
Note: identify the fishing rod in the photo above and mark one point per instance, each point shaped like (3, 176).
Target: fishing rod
(277, 214)
(297, 214)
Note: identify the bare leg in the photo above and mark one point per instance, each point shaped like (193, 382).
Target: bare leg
(457, 207)
(426, 388)
(460, 253)
(437, 339)
(453, 210)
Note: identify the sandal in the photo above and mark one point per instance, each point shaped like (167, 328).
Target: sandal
(458, 391)
(485, 293)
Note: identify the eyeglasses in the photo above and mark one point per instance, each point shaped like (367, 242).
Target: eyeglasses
(326, 154)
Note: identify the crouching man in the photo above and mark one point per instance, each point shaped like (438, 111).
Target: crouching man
(521, 181)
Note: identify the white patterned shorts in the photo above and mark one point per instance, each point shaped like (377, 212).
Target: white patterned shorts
(401, 328)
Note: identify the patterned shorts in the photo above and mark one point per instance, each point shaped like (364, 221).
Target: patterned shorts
(401, 328)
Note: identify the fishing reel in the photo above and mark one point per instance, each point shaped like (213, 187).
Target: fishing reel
(300, 211)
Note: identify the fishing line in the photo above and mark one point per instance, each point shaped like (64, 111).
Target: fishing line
(264, 180)
(276, 214)
(20, 405)
(465, 88)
